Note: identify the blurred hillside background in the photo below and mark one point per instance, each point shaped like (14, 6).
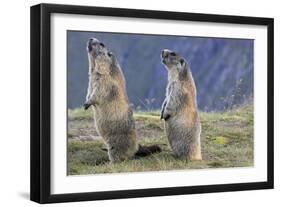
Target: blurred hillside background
(222, 68)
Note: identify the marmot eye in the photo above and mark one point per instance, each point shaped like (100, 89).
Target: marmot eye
(173, 54)
(181, 61)
(101, 44)
(109, 54)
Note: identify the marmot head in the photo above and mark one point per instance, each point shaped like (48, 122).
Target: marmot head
(175, 64)
(104, 70)
(100, 58)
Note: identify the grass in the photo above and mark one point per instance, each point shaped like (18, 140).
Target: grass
(79, 114)
(227, 141)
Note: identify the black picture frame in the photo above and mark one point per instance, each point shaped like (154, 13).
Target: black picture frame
(41, 99)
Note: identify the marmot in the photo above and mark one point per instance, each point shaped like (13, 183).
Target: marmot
(107, 94)
(179, 109)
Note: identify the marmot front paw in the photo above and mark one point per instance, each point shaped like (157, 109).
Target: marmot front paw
(166, 116)
(86, 106)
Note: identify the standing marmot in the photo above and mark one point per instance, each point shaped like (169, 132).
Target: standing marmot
(179, 109)
(107, 94)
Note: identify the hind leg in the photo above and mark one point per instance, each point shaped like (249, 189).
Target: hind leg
(195, 150)
(186, 149)
(116, 155)
(178, 148)
(121, 152)
(196, 155)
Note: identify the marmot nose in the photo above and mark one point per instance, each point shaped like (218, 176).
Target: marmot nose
(165, 53)
(94, 44)
(91, 42)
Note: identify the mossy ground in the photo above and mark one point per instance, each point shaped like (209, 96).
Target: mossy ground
(227, 141)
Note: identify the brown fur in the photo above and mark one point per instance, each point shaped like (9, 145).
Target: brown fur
(179, 110)
(107, 94)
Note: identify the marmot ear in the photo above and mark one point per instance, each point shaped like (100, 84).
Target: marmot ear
(110, 54)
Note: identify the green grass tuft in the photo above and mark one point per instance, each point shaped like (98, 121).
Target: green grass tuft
(220, 140)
